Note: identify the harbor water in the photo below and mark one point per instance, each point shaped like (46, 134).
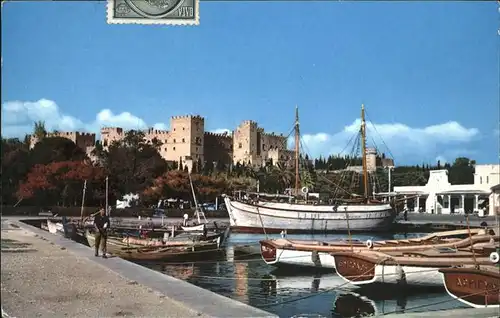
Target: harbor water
(300, 292)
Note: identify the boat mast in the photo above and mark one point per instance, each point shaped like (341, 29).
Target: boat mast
(363, 149)
(297, 150)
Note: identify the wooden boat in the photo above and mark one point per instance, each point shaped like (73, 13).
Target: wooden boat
(284, 252)
(476, 287)
(193, 250)
(195, 228)
(61, 228)
(181, 239)
(417, 268)
(258, 215)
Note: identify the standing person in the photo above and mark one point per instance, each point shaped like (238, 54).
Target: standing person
(101, 224)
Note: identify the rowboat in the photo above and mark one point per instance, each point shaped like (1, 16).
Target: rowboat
(284, 252)
(194, 228)
(475, 287)
(61, 228)
(415, 268)
(170, 251)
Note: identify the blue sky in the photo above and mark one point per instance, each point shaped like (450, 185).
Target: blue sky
(427, 72)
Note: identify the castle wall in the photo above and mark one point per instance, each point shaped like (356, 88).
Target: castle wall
(187, 143)
(110, 135)
(161, 137)
(218, 147)
(81, 139)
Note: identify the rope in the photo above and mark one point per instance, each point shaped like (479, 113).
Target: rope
(382, 139)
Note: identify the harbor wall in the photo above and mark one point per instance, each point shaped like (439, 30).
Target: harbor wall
(128, 212)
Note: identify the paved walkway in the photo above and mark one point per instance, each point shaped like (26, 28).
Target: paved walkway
(40, 277)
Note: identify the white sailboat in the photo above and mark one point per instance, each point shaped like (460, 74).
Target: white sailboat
(198, 212)
(257, 216)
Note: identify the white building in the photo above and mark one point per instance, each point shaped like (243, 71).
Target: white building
(440, 197)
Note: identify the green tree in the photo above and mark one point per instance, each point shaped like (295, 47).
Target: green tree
(39, 130)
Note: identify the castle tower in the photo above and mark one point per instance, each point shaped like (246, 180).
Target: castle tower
(186, 139)
(110, 134)
(245, 143)
(371, 159)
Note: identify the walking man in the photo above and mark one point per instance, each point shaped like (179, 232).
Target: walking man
(101, 224)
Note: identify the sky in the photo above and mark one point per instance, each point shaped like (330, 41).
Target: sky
(427, 72)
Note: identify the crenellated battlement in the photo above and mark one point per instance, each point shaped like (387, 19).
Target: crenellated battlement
(250, 123)
(196, 117)
(273, 135)
(157, 132)
(117, 130)
(219, 135)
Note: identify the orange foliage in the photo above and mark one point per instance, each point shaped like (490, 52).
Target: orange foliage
(53, 175)
(175, 183)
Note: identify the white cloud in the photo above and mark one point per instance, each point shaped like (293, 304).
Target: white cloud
(18, 118)
(411, 143)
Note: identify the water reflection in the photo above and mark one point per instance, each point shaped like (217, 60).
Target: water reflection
(376, 302)
(298, 293)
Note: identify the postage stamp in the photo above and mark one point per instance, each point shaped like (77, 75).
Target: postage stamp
(170, 12)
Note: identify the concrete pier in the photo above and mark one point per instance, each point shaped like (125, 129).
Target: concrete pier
(46, 275)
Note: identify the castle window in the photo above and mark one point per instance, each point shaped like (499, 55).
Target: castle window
(264, 147)
(183, 140)
(240, 145)
(196, 148)
(173, 148)
(165, 149)
(174, 129)
(174, 141)
(183, 128)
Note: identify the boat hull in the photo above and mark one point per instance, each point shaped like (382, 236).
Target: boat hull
(475, 288)
(286, 257)
(59, 228)
(137, 253)
(359, 272)
(196, 228)
(273, 217)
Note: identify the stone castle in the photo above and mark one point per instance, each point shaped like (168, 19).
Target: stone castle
(187, 142)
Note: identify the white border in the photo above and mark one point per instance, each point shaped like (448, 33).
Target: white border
(111, 20)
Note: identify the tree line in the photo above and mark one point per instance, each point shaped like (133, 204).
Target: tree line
(54, 170)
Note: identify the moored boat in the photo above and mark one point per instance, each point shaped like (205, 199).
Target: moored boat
(416, 268)
(194, 228)
(169, 251)
(258, 215)
(310, 253)
(64, 228)
(478, 287)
